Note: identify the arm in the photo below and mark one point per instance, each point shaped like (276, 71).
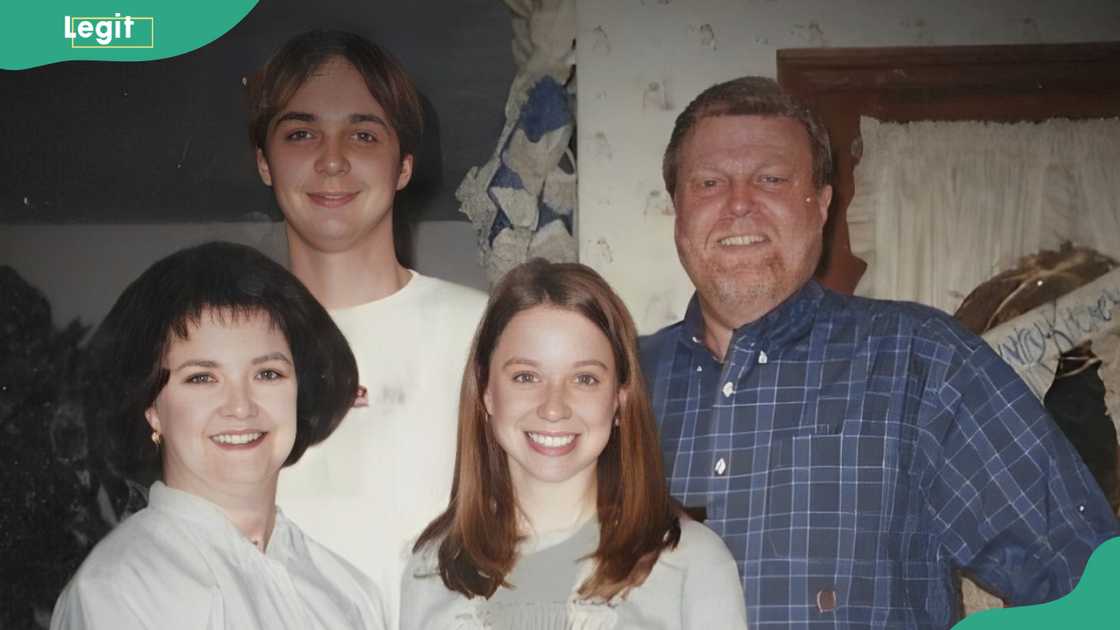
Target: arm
(1009, 496)
(424, 601)
(93, 603)
(713, 592)
(131, 588)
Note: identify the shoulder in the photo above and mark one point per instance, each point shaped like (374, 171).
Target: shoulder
(653, 346)
(699, 545)
(697, 582)
(426, 602)
(141, 570)
(422, 563)
(951, 364)
(712, 595)
(455, 298)
(449, 310)
(920, 326)
(146, 543)
(654, 341)
(124, 543)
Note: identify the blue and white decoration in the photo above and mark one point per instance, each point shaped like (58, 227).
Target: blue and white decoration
(522, 202)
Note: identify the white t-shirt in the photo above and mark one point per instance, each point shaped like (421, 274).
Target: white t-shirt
(181, 564)
(385, 473)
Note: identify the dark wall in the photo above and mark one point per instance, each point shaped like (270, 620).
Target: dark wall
(164, 141)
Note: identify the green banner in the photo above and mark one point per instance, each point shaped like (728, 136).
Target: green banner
(1089, 606)
(41, 33)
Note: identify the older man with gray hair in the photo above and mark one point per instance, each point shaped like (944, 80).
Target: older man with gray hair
(852, 453)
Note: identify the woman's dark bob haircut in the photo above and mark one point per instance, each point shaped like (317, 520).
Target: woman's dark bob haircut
(230, 281)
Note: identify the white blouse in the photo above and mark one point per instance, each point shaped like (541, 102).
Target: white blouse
(180, 563)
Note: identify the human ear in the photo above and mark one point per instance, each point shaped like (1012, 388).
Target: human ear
(406, 171)
(824, 197)
(262, 167)
(488, 401)
(620, 402)
(152, 416)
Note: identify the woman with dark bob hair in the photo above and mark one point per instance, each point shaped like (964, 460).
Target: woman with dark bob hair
(560, 516)
(224, 370)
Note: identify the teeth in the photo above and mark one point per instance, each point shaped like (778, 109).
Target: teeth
(237, 438)
(742, 240)
(551, 441)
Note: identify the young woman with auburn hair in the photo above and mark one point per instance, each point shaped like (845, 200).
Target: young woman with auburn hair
(560, 516)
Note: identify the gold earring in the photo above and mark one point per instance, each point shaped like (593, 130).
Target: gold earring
(156, 438)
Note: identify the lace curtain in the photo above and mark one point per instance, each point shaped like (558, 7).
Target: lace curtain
(940, 207)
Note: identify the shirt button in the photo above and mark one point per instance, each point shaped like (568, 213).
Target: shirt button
(728, 389)
(762, 358)
(721, 466)
(699, 368)
(826, 600)
(1081, 508)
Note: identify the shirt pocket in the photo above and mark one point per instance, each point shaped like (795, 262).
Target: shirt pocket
(824, 494)
(835, 526)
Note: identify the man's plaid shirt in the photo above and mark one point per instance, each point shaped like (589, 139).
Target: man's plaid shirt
(853, 452)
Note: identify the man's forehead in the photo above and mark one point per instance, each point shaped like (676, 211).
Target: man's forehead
(353, 102)
(754, 123)
(746, 133)
(331, 65)
(347, 76)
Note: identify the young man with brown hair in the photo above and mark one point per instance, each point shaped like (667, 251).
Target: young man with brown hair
(336, 123)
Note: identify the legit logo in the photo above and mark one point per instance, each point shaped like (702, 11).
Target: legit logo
(111, 32)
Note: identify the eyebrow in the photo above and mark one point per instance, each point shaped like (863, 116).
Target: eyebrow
(203, 363)
(272, 356)
(532, 363)
(309, 118)
(298, 116)
(370, 118)
(209, 364)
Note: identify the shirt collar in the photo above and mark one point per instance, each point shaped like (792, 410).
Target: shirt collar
(217, 527)
(786, 323)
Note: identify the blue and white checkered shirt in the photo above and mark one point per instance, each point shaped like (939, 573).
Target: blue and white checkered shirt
(853, 452)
